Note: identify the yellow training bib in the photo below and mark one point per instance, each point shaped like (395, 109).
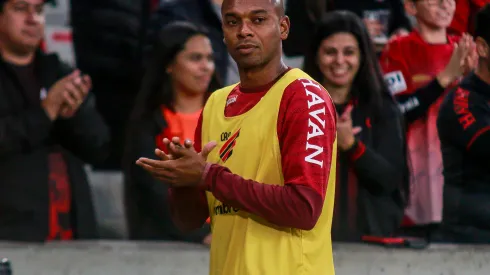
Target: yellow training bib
(243, 243)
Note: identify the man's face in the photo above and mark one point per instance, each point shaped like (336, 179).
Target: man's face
(22, 24)
(253, 31)
(483, 50)
(435, 13)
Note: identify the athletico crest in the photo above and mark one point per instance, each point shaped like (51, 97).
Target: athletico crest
(227, 149)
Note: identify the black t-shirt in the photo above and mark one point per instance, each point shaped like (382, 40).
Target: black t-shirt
(30, 83)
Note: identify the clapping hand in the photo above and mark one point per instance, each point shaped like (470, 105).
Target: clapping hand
(463, 59)
(182, 167)
(76, 90)
(345, 131)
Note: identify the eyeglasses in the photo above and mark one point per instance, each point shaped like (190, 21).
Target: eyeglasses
(438, 2)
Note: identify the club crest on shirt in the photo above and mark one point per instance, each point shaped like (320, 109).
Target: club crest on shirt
(226, 150)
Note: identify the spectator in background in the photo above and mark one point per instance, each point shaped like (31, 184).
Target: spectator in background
(372, 174)
(382, 18)
(463, 21)
(176, 85)
(108, 39)
(205, 13)
(48, 126)
(419, 68)
(464, 128)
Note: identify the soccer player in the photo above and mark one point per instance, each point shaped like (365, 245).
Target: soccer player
(419, 68)
(269, 183)
(464, 129)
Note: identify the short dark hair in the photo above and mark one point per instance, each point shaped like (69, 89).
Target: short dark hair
(482, 23)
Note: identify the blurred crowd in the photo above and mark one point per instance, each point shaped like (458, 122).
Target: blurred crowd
(145, 68)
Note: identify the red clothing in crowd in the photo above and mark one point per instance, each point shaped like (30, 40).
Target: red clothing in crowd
(59, 199)
(296, 204)
(465, 14)
(179, 125)
(410, 65)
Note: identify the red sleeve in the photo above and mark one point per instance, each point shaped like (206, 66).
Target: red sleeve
(305, 108)
(189, 206)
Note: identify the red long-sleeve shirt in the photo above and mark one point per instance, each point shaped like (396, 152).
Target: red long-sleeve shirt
(299, 202)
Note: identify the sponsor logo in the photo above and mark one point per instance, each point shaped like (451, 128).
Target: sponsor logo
(227, 149)
(396, 82)
(409, 105)
(224, 209)
(231, 100)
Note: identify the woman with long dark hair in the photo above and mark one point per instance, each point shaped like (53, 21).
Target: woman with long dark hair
(372, 174)
(178, 80)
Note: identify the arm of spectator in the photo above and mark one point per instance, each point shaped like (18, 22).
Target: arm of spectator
(188, 205)
(306, 156)
(466, 121)
(381, 168)
(23, 131)
(85, 134)
(152, 192)
(414, 103)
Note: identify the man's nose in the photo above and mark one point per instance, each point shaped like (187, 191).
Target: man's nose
(244, 30)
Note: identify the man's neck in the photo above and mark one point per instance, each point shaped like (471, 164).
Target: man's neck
(433, 35)
(483, 72)
(17, 59)
(188, 103)
(262, 76)
(340, 95)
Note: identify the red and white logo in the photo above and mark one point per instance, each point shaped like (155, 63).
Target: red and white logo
(227, 149)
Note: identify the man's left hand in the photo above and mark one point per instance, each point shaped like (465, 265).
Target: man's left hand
(76, 91)
(185, 171)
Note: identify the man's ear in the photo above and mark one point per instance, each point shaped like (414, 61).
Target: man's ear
(482, 48)
(285, 27)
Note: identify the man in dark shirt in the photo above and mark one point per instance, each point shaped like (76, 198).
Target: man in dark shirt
(48, 123)
(464, 129)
